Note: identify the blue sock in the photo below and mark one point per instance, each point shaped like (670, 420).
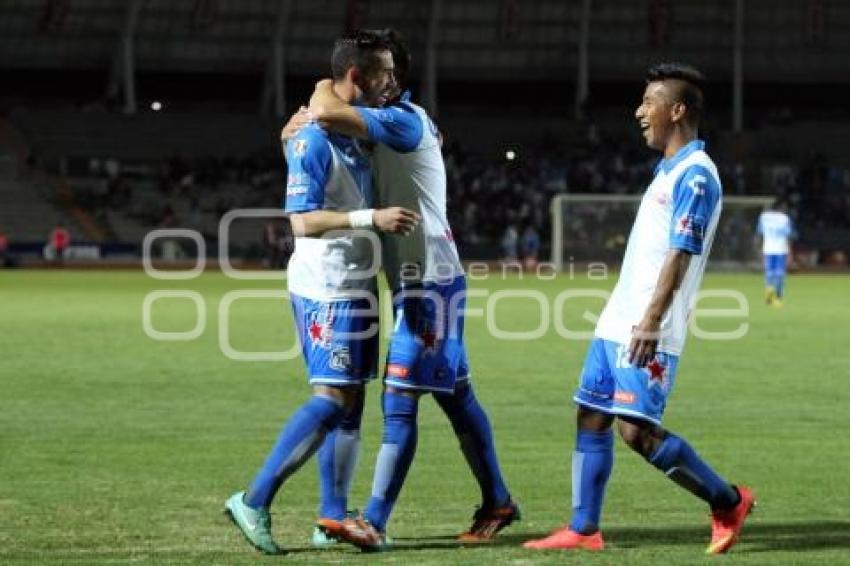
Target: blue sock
(299, 439)
(780, 284)
(394, 458)
(472, 428)
(593, 460)
(337, 463)
(682, 464)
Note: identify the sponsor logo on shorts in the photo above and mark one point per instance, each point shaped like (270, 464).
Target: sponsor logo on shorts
(398, 370)
(626, 397)
(340, 359)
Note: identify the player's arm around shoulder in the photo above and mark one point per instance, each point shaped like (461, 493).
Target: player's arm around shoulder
(397, 126)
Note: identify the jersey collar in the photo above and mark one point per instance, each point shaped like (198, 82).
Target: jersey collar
(667, 165)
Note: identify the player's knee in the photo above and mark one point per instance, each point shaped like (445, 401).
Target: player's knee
(348, 397)
(389, 389)
(354, 410)
(589, 419)
(400, 414)
(641, 437)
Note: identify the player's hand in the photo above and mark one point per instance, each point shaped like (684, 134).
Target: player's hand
(296, 122)
(395, 220)
(644, 342)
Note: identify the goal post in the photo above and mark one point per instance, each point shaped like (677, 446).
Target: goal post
(594, 228)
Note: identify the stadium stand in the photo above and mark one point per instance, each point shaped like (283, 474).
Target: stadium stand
(502, 67)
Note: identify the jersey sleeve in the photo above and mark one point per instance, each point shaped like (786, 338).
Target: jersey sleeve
(308, 158)
(398, 127)
(760, 226)
(695, 197)
(790, 229)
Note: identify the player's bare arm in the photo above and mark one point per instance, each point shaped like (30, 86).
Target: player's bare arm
(646, 334)
(394, 220)
(332, 113)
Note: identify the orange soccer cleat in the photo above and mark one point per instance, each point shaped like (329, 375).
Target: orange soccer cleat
(566, 539)
(726, 524)
(355, 530)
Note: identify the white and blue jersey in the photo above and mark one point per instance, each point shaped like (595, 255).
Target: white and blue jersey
(423, 269)
(679, 211)
(329, 172)
(410, 172)
(331, 277)
(776, 230)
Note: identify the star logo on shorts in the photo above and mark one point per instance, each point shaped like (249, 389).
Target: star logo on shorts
(316, 330)
(429, 339)
(656, 370)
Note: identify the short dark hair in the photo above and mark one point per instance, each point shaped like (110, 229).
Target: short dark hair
(357, 49)
(691, 86)
(401, 54)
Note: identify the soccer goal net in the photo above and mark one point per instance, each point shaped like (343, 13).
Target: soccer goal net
(595, 228)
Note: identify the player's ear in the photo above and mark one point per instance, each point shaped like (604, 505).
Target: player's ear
(678, 111)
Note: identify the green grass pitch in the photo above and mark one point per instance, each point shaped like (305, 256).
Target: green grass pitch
(118, 448)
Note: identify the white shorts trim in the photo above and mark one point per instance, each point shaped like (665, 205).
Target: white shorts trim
(410, 387)
(616, 411)
(321, 380)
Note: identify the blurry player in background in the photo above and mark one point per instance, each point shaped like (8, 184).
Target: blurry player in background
(630, 368)
(58, 244)
(332, 287)
(775, 232)
(426, 352)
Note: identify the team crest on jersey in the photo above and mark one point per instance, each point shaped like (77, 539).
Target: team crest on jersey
(320, 329)
(300, 147)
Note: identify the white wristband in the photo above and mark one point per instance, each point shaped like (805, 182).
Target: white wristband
(361, 218)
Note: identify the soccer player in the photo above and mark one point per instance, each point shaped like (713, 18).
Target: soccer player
(776, 231)
(331, 282)
(426, 352)
(631, 365)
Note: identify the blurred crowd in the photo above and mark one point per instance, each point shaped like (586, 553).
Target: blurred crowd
(498, 205)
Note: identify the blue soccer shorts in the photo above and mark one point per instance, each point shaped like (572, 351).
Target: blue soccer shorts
(339, 340)
(426, 351)
(611, 385)
(775, 264)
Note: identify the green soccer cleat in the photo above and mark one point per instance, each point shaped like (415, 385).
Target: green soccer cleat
(321, 539)
(255, 524)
